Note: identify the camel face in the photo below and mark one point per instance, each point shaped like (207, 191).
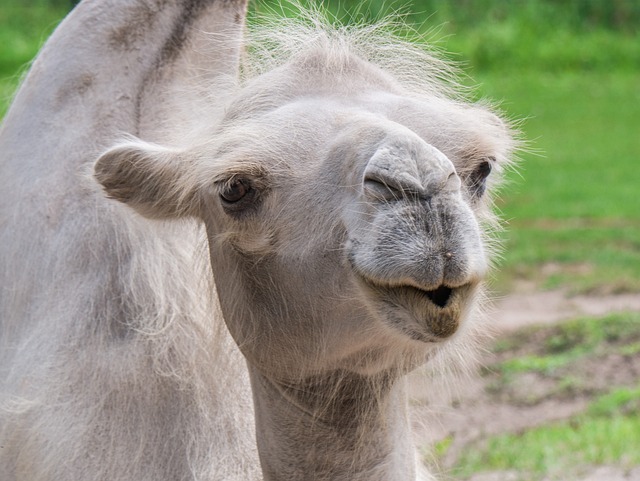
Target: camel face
(345, 222)
(363, 220)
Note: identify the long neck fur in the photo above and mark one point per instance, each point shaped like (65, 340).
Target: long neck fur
(339, 426)
(112, 336)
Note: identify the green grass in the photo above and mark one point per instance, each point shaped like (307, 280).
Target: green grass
(575, 203)
(24, 27)
(557, 359)
(560, 448)
(596, 257)
(572, 206)
(619, 401)
(546, 349)
(608, 432)
(583, 125)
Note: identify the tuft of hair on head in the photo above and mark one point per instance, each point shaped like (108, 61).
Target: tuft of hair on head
(389, 43)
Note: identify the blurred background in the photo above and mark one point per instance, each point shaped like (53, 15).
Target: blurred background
(559, 397)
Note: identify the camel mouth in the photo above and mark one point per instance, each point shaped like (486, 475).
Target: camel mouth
(440, 296)
(430, 315)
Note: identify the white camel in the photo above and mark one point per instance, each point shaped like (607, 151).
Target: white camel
(338, 185)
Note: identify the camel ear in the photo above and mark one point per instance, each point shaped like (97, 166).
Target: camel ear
(151, 179)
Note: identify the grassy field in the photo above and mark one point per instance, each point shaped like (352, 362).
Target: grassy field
(592, 362)
(24, 26)
(574, 205)
(570, 71)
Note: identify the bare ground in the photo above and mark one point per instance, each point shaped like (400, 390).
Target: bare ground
(483, 407)
(527, 307)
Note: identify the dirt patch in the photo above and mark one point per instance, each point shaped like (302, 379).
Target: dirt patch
(540, 370)
(549, 307)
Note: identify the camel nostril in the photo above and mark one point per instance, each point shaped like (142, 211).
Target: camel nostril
(440, 296)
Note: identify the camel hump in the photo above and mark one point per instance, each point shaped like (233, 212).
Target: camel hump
(108, 69)
(106, 73)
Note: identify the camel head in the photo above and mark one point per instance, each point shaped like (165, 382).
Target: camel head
(343, 213)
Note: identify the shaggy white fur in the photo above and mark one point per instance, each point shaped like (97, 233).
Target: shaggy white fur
(306, 233)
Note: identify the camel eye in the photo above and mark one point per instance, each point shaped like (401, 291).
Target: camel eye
(239, 196)
(478, 178)
(483, 170)
(235, 191)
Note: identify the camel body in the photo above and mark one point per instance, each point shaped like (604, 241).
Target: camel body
(301, 240)
(90, 295)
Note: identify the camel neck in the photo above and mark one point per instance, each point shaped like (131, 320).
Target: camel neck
(339, 427)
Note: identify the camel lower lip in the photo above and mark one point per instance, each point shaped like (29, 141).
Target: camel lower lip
(434, 312)
(440, 315)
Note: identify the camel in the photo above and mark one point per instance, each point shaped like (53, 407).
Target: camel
(223, 252)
